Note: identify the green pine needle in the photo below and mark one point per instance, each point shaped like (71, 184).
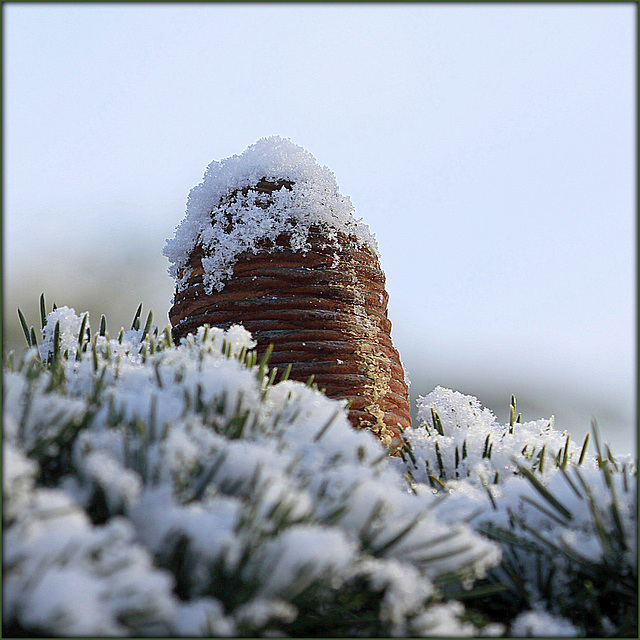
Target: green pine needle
(596, 438)
(437, 423)
(43, 313)
(544, 492)
(565, 456)
(544, 510)
(55, 357)
(512, 413)
(25, 327)
(135, 325)
(81, 333)
(439, 459)
(326, 426)
(584, 450)
(541, 458)
(262, 367)
(34, 340)
(485, 452)
(272, 376)
(147, 325)
(286, 373)
(381, 550)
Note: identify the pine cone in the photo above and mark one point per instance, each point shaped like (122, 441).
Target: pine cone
(324, 310)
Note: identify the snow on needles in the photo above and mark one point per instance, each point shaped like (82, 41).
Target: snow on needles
(563, 516)
(225, 226)
(181, 492)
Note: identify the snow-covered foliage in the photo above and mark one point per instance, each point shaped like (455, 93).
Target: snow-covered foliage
(566, 520)
(153, 489)
(227, 214)
(459, 438)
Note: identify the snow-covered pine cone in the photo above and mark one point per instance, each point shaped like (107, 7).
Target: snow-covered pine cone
(323, 307)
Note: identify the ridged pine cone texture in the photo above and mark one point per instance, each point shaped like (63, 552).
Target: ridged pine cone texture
(325, 313)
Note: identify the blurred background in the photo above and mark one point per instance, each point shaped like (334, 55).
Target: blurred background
(491, 148)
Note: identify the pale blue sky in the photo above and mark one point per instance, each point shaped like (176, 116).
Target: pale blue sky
(490, 148)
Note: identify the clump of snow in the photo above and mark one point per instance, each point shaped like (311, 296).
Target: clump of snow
(18, 478)
(259, 612)
(42, 416)
(69, 324)
(442, 621)
(121, 486)
(536, 624)
(300, 552)
(203, 618)
(226, 223)
(404, 589)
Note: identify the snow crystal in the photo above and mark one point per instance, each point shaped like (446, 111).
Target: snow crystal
(454, 408)
(238, 338)
(226, 225)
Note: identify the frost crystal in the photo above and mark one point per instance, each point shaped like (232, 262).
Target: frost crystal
(227, 214)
